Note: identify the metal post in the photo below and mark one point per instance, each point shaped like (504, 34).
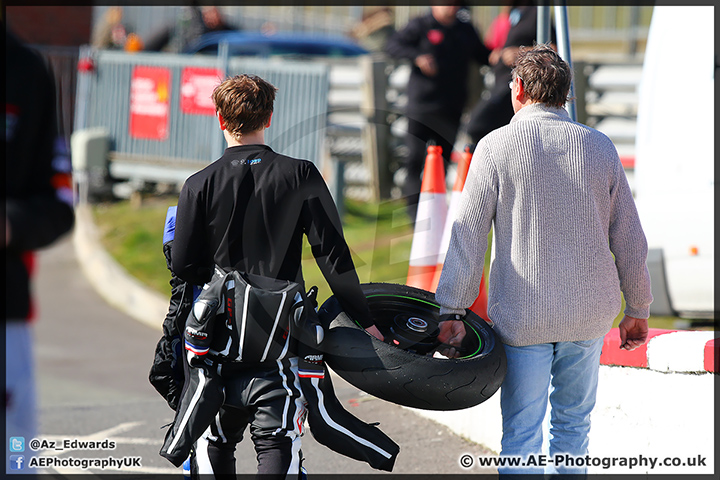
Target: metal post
(218, 146)
(376, 131)
(339, 187)
(224, 57)
(563, 39)
(580, 85)
(634, 22)
(543, 22)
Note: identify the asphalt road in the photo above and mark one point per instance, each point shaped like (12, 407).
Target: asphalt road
(92, 364)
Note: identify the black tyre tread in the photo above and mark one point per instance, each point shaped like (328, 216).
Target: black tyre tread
(403, 377)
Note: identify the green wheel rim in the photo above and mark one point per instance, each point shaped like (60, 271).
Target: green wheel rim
(433, 304)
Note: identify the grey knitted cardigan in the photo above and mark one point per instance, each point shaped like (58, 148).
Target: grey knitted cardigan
(566, 232)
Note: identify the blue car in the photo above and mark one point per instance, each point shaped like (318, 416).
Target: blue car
(290, 43)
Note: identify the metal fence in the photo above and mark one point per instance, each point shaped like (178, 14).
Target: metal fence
(191, 138)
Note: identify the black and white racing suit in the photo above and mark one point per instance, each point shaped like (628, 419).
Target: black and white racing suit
(248, 212)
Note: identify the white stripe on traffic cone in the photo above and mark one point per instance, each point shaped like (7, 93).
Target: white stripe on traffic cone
(461, 175)
(430, 221)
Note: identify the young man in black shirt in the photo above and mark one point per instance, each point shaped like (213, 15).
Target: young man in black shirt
(248, 211)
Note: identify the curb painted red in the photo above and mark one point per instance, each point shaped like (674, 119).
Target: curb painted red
(613, 355)
(712, 356)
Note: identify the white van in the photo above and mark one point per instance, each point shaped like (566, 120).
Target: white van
(674, 166)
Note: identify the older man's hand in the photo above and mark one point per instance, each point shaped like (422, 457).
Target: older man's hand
(633, 332)
(452, 332)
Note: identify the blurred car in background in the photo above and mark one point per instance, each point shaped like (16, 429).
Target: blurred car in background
(286, 44)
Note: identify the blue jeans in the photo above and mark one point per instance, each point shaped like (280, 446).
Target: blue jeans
(20, 393)
(572, 369)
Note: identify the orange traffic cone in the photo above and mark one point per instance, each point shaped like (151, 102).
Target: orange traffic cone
(462, 170)
(430, 221)
(480, 304)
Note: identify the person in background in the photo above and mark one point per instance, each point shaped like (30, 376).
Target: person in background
(38, 211)
(496, 33)
(568, 242)
(110, 32)
(214, 20)
(372, 32)
(191, 24)
(496, 109)
(441, 46)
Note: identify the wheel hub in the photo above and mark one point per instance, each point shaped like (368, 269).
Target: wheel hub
(414, 334)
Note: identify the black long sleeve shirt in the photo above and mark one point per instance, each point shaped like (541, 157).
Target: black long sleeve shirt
(249, 211)
(454, 48)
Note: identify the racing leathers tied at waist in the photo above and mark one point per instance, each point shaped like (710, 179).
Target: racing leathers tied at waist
(214, 327)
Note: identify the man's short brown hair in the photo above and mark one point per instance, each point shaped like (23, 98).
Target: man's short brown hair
(245, 102)
(546, 77)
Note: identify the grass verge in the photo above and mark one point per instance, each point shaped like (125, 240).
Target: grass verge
(379, 236)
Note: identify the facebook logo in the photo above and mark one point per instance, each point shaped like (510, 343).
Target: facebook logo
(17, 462)
(17, 444)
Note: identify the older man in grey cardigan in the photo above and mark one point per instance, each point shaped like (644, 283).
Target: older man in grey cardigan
(567, 242)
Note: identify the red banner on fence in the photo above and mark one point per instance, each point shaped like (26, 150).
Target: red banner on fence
(196, 87)
(150, 102)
